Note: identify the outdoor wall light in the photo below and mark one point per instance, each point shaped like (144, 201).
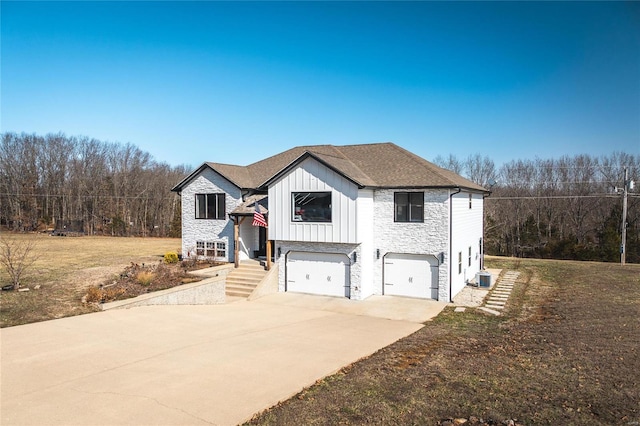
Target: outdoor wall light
(355, 257)
(279, 252)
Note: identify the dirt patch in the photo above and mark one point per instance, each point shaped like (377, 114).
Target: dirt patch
(91, 277)
(565, 352)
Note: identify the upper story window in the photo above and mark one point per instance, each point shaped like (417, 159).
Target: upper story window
(311, 206)
(210, 206)
(409, 206)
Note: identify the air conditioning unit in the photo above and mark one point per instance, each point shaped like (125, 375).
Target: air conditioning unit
(483, 279)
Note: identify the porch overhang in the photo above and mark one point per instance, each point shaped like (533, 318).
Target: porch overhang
(247, 209)
(248, 206)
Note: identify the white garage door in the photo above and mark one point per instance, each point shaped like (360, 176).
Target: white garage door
(412, 275)
(318, 273)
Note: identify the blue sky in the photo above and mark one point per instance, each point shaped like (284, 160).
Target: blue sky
(235, 82)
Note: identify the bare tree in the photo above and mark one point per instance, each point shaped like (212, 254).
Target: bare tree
(105, 188)
(480, 170)
(450, 163)
(17, 255)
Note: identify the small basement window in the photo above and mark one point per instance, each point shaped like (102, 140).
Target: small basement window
(311, 206)
(212, 249)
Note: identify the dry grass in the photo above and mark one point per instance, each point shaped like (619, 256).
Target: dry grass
(145, 278)
(565, 353)
(66, 267)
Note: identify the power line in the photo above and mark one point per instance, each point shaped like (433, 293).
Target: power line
(111, 197)
(539, 197)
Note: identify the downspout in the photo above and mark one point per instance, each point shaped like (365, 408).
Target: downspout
(451, 241)
(484, 196)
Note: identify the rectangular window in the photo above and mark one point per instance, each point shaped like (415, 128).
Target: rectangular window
(311, 206)
(409, 206)
(469, 256)
(459, 262)
(210, 206)
(221, 249)
(212, 249)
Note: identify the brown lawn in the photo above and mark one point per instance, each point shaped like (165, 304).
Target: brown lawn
(66, 267)
(566, 352)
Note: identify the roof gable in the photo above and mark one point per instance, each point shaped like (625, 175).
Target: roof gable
(322, 159)
(214, 167)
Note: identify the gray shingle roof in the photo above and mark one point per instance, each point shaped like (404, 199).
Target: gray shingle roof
(384, 165)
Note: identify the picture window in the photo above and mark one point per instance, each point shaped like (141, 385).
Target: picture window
(311, 206)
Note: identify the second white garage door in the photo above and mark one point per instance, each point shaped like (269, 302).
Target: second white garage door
(412, 275)
(318, 273)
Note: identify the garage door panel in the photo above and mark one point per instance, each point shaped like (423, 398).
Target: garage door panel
(318, 273)
(411, 275)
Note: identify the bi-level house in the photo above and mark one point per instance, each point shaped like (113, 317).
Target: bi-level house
(349, 221)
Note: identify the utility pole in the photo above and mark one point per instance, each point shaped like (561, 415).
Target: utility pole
(623, 247)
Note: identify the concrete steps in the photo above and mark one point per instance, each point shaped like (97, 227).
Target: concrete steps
(243, 280)
(500, 294)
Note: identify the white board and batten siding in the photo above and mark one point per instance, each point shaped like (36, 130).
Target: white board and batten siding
(467, 231)
(311, 175)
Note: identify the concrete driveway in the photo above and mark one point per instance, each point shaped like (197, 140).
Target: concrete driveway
(180, 365)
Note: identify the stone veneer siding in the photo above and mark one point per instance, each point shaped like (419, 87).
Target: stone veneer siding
(348, 249)
(208, 182)
(429, 237)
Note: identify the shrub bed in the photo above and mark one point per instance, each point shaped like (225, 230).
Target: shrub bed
(137, 279)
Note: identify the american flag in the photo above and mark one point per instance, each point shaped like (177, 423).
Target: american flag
(258, 218)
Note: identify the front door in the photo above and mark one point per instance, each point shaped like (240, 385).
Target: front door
(262, 241)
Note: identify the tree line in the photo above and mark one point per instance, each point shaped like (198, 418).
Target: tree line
(564, 208)
(79, 184)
